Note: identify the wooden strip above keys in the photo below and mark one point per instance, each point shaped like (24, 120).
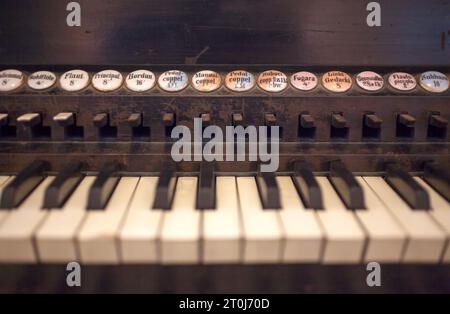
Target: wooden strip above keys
(263, 232)
(17, 229)
(138, 235)
(97, 235)
(425, 238)
(344, 238)
(222, 230)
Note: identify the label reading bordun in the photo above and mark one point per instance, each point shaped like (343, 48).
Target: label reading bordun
(402, 81)
(140, 81)
(337, 81)
(10, 80)
(173, 81)
(239, 81)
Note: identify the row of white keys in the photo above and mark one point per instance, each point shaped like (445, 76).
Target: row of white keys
(386, 238)
(440, 211)
(97, 236)
(426, 239)
(262, 229)
(138, 236)
(180, 234)
(55, 239)
(221, 227)
(18, 227)
(4, 180)
(301, 227)
(344, 237)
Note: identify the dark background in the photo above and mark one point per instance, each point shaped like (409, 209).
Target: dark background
(300, 32)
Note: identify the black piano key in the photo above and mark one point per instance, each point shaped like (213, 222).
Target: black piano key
(165, 189)
(407, 187)
(438, 177)
(63, 185)
(206, 187)
(103, 186)
(23, 184)
(268, 190)
(307, 186)
(346, 186)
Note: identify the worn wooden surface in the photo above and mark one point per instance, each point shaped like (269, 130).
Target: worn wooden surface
(300, 32)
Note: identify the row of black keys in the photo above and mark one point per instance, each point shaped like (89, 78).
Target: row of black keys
(308, 189)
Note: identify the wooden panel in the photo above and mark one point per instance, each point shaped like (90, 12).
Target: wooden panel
(302, 32)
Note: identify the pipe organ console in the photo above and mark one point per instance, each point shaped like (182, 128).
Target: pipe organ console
(356, 131)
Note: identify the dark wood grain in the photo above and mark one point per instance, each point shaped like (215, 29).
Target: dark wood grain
(300, 32)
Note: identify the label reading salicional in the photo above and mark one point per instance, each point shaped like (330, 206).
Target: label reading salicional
(10, 80)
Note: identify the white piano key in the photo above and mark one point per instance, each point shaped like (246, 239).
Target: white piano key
(222, 230)
(426, 239)
(344, 237)
(440, 211)
(304, 235)
(4, 180)
(386, 238)
(138, 236)
(180, 233)
(55, 239)
(97, 236)
(17, 229)
(262, 228)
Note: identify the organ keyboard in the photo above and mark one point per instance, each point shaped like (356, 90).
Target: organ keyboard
(111, 218)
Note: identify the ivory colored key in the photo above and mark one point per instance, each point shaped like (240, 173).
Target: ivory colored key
(386, 238)
(180, 233)
(344, 236)
(17, 229)
(222, 231)
(440, 211)
(97, 235)
(426, 239)
(55, 237)
(304, 236)
(263, 232)
(138, 235)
